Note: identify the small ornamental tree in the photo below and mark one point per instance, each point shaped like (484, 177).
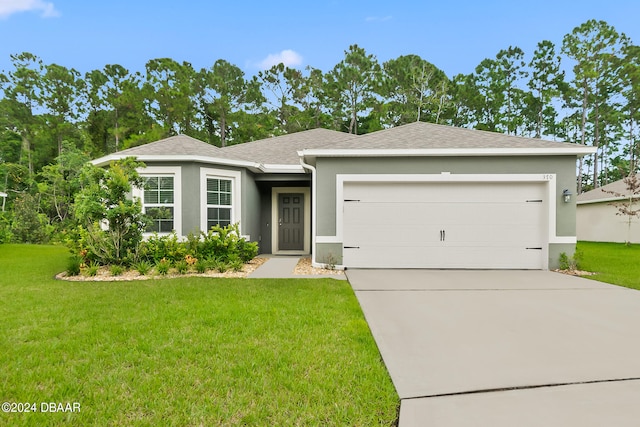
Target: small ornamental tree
(110, 221)
(630, 207)
(29, 226)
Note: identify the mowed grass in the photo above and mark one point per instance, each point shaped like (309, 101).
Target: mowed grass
(614, 263)
(185, 352)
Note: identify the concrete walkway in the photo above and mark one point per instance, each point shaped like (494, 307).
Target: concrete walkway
(505, 348)
(282, 267)
(276, 268)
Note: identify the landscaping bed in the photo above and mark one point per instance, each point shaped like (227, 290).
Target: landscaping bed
(104, 273)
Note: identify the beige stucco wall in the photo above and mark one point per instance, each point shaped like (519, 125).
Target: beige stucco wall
(598, 222)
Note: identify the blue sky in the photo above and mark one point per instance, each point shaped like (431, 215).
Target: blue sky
(453, 35)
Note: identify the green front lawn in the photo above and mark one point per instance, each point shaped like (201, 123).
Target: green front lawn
(614, 263)
(187, 351)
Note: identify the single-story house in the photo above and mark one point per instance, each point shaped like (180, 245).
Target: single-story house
(414, 196)
(598, 219)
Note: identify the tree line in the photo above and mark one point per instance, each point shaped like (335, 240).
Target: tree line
(585, 90)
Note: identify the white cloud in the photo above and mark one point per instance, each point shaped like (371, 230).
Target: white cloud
(9, 7)
(288, 57)
(378, 18)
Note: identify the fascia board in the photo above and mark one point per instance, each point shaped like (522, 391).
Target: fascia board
(274, 168)
(606, 200)
(178, 158)
(442, 152)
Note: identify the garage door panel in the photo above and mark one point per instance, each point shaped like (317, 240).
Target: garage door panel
(403, 235)
(448, 257)
(445, 192)
(387, 214)
(451, 225)
(492, 234)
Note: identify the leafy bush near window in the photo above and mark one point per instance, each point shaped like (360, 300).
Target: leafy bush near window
(225, 244)
(111, 223)
(219, 243)
(158, 247)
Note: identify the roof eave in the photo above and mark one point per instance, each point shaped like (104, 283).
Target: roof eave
(275, 168)
(607, 200)
(103, 161)
(442, 152)
(253, 166)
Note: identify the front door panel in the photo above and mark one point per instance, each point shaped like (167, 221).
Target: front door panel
(291, 221)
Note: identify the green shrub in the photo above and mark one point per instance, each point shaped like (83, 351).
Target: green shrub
(236, 265)
(225, 243)
(201, 266)
(247, 250)
(5, 227)
(92, 269)
(142, 267)
(567, 262)
(28, 225)
(220, 265)
(158, 247)
(192, 243)
(116, 270)
(73, 266)
(104, 201)
(163, 266)
(182, 267)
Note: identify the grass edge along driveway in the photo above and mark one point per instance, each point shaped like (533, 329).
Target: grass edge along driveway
(614, 263)
(187, 351)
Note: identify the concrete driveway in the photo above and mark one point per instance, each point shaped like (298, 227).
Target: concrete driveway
(505, 348)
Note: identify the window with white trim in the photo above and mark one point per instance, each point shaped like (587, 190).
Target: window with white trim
(220, 197)
(158, 203)
(219, 202)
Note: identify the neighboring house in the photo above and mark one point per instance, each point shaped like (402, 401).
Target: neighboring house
(597, 219)
(414, 196)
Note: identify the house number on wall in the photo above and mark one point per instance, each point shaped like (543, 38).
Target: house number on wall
(547, 177)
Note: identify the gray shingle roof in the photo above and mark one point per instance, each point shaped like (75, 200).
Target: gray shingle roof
(420, 135)
(283, 150)
(601, 193)
(174, 145)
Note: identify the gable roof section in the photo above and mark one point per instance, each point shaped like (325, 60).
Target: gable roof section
(178, 148)
(276, 154)
(600, 194)
(283, 149)
(429, 139)
(172, 146)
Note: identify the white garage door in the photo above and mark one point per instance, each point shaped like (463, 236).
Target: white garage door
(444, 225)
